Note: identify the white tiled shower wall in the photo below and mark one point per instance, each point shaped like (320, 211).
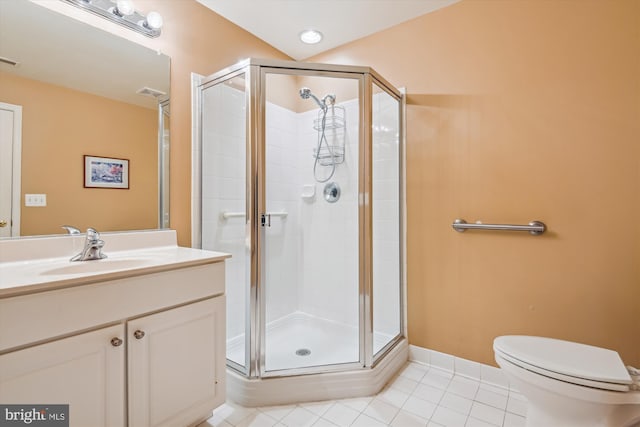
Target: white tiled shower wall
(312, 253)
(329, 231)
(282, 251)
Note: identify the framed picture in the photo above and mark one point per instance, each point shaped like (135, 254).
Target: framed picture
(105, 172)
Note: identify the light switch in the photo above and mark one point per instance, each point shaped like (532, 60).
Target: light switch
(35, 200)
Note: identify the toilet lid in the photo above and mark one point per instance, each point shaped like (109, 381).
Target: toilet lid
(566, 359)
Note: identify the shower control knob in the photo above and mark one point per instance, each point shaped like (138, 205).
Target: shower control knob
(116, 342)
(138, 334)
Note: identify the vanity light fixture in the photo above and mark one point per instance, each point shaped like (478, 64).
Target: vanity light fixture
(123, 12)
(311, 36)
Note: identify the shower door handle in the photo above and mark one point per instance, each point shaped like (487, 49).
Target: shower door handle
(265, 220)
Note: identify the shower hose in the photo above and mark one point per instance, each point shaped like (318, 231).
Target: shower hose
(322, 138)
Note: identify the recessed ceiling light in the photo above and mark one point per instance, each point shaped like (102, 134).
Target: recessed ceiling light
(311, 36)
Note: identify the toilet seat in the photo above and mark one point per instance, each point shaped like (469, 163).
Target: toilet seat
(574, 363)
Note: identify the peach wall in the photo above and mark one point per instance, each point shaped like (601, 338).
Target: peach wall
(59, 127)
(518, 111)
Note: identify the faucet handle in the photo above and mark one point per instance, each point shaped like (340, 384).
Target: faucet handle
(92, 234)
(71, 229)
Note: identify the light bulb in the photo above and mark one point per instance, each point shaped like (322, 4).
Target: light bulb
(153, 21)
(124, 7)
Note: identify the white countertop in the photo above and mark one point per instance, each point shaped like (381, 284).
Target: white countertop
(22, 276)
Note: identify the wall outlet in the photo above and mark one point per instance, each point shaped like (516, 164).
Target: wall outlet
(35, 200)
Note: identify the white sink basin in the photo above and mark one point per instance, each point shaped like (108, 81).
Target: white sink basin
(98, 266)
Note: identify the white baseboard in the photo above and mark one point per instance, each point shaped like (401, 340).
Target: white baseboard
(459, 366)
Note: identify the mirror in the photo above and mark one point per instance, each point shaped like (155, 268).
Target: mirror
(82, 92)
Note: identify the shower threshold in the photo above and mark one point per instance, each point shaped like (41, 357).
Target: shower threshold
(315, 387)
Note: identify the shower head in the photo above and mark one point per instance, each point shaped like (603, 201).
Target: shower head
(305, 93)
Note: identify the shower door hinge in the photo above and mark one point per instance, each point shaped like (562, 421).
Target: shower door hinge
(265, 220)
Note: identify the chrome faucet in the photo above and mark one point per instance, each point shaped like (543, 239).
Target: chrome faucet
(92, 247)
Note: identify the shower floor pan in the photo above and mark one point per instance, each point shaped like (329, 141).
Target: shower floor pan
(300, 340)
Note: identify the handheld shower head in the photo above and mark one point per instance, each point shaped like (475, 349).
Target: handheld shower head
(305, 93)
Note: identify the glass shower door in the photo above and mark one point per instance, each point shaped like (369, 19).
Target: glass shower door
(224, 221)
(310, 223)
(386, 229)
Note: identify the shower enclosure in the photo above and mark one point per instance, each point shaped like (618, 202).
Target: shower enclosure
(298, 173)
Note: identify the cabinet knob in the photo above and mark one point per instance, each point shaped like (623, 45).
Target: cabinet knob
(116, 342)
(138, 334)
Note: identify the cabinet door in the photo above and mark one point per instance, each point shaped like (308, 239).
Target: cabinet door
(85, 371)
(177, 364)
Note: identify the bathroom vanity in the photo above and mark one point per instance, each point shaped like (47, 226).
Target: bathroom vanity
(135, 339)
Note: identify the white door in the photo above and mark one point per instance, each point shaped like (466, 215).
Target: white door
(176, 364)
(85, 371)
(10, 154)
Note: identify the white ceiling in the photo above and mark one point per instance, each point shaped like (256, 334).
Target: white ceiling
(279, 22)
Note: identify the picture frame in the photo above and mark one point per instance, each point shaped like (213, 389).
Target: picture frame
(106, 172)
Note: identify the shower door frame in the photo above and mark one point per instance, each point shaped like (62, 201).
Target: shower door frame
(371, 78)
(255, 71)
(199, 83)
(308, 70)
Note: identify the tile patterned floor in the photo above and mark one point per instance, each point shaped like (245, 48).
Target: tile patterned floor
(418, 396)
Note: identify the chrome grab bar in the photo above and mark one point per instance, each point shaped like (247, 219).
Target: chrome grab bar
(227, 215)
(534, 228)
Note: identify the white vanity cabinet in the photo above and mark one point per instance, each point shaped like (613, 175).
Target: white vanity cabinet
(176, 369)
(85, 371)
(140, 348)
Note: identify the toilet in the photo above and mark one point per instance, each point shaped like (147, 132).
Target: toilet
(569, 384)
